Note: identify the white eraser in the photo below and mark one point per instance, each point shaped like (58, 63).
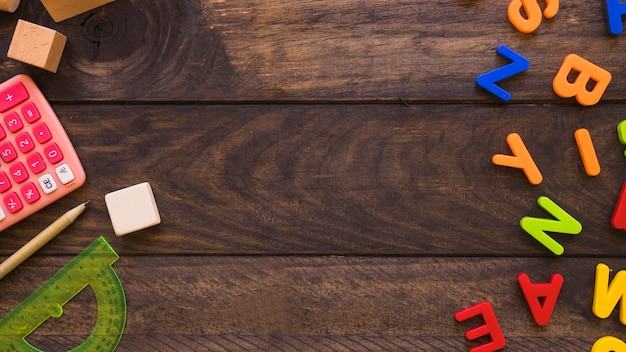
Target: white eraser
(132, 209)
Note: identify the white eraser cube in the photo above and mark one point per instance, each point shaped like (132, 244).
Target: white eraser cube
(132, 209)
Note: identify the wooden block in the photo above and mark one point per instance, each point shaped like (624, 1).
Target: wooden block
(63, 9)
(9, 5)
(37, 45)
(132, 209)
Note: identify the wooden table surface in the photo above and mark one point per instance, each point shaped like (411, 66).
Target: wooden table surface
(323, 173)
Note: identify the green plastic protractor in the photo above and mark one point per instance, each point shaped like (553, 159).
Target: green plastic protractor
(92, 267)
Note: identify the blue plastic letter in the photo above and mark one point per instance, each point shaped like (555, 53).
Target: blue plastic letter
(615, 10)
(488, 80)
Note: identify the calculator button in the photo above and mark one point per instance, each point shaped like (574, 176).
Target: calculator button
(13, 203)
(5, 183)
(30, 193)
(30, 113)
(36, 163)
(64, 173)
(53, 153)
(18, 172)
(13, 122)
(12, 96)
(7, 152)
(2, 133)
(47, 183)
(42, 133)
(24, 142)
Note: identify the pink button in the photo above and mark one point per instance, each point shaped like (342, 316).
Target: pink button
(24, 142)
(18, 172)
(30, 193)
(30, 112)
(7, 152)
(5, 183)
(36, 163)
(42, 133)
(53, 153)
(13, 203)
(12, 96)
(13, 122)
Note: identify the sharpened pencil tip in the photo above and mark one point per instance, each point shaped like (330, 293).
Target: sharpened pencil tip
(87, 202)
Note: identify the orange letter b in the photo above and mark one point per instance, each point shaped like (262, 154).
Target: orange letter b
(586, 72)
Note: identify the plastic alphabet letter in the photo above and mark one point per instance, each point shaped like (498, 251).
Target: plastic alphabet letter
(621, 133)
(587, 152)
(491, 327)
(609, 344)
(618, 220)
(533, 12)
(520, 159)
(548, 290)
(586, 72)
(488, 80)
(615, 9)
(605, 296)
(564, 223)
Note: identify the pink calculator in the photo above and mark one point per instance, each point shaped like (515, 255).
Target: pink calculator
(38, 163)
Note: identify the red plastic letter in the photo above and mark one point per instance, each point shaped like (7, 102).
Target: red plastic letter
(491, 327)
(547, 290)
(618, 220)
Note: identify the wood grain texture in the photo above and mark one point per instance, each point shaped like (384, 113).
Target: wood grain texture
(327, 179)
(204, 50)
(324, 303)
(323, 173)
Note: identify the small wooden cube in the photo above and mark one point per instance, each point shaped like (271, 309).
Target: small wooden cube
(37, 45)
(132, 209)
(9, 5)
(63, 9)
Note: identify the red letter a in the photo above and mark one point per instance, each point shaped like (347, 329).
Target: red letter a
(547, 290)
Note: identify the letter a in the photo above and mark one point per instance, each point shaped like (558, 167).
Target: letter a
(587, 72)
(548, 290)
(605, 297)
(491, 327)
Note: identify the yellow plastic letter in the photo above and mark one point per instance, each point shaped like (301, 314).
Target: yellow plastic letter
(605, 296)
(609, 344)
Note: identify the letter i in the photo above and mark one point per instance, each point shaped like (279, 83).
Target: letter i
(587, 152)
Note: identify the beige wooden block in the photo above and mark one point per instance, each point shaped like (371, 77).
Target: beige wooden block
(37, 45)
(9, 5)
(63, 9)
(132, 209)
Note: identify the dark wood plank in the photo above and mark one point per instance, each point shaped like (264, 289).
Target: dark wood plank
(334, 179)
(178, 303)
(204, 50)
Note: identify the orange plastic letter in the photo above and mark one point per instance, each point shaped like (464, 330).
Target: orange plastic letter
(533, 14)
(587, 152)
(586, 72)
(491, 327)
(521, 159)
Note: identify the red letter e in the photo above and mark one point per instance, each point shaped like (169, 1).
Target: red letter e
(491, 327)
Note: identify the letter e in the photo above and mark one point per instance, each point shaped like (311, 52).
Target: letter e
(491, 327)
